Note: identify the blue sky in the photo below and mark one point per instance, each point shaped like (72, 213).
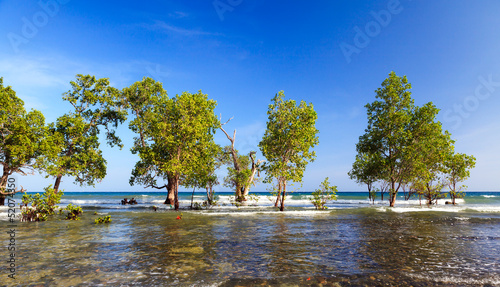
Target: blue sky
(334, 54)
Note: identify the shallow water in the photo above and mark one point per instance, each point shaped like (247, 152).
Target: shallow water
(258, 246)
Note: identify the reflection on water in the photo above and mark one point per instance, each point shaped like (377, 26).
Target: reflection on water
(346, 247)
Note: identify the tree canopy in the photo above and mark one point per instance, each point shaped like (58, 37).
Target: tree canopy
(458, 167)
(23, 137)
(75, 135)
(403, 145)
(175, 136)
(288, 141)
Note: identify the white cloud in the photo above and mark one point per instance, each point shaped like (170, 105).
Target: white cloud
(160, 25)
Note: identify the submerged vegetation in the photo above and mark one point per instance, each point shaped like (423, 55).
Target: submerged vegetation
(38, 207)
(73, 212)
(103, 219)
(404, 147)
(325, 193)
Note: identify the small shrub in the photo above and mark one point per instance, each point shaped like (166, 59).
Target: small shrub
(253, 197)
(373, 194)
(211, 201)
(234, 202)
(74, 212)
(42, 205)
(197, 206)
(103, 219)
(325, 193)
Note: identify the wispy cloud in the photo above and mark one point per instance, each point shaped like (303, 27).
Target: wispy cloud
(178, 15)
(32, 71)
(40, 80)
(160, 25)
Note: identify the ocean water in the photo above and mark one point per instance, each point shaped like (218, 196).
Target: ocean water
(353, 243)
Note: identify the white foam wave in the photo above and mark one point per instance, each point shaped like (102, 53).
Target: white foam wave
(274, 212)
(489, 196)
(404, 209)
(492, 209)
(495, 281)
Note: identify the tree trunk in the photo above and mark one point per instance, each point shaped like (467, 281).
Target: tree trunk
(239, 189)
(392, 194)
(370, 193)
(57, 183)
(255, 167)
(209, 200)
(192, 197)
(176, 193)
(3, 185)
(453, 193)
(282, 207)
(170, 189)
(238, 194)
(279, 194)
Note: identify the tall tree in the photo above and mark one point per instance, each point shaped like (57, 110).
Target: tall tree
(407, 143)
(174, 134)
(458, 167)
(387, 135)
(96, 105)
(23, 138)
(290, 135)
(143, 99)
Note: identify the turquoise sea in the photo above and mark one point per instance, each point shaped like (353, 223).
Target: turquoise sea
(353, 243)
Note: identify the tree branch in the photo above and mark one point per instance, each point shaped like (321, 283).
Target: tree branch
(154, 186)
(13, 192)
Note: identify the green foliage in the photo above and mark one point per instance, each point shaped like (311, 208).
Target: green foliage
(75, 135)
(234, 201)
(457, 167)
(430, 191)
(175, 136)
(253, 197)
(212, 200)
(38, 207)
(74, 212)
(103, 219)
(365, 171)
(23, 136)
(403, 143)
(325, 193)
(288, 140)
(204, 176)
(387, 136)
(197, 206)
(373, 194)
(237, 179)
